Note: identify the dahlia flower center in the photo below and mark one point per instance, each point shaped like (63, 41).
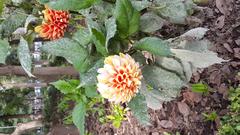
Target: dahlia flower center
(123, 80)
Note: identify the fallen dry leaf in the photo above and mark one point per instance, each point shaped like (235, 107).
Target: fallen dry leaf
(215, 78)
(223, 89)
(227, 46)
(222, 6)
(237, 53)
(220, 22)
(192, 97)
(235, 64)
(166, 123)
(183, 108)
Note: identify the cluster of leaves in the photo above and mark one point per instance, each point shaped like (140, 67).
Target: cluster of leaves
(113, 27)
(84, 98)
(211, 116)
(13, 102)
(118, 115)
(230, 123)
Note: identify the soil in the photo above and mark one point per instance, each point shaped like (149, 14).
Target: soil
(184, 115)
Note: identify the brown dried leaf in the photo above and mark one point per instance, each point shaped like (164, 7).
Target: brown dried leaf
(192, 97)
(183, 108)
(227, 46)
(166, 123)
(222, 6)
(223, 89)
(220, 22)
(237, 53)
(215, 78)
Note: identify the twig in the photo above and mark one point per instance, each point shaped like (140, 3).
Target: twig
(24, 127)
(23, 85)
(39, 71)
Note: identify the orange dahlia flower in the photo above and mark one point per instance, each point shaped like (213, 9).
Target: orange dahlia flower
(56, 17)
(50, 31)
(54, 25)
(119, 79)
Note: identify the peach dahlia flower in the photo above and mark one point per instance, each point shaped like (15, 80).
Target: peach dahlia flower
(119, 79)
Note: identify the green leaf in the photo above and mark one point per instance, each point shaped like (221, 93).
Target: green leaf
(140, 5)
(86, 64)
(82, 36)
(25, 57)
(90, 78)
(101, 10)
(192, 52)
(127, 18)
(197, 59)
(153, 45)
(156, 22)
(196, 33)
(43, 1)
(111, 29)
(92, 24)
(139, 108)
(14, 21)
(23, 30)
(17, 1)
(174, 65)
(68, 49)
(210, 117)
(173, 10)
(154, 97)
(139, 57)
(65, 87)
(99, 41)
(2, 3)
(71, 4)
(168, 83)
(200, 88)
(4, 50)
(78, 116)
(91, 91)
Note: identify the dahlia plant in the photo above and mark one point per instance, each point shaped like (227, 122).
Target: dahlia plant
(114, 46)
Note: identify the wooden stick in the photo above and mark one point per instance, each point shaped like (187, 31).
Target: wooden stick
(23, 85)
(40, 71)
(24, 127)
